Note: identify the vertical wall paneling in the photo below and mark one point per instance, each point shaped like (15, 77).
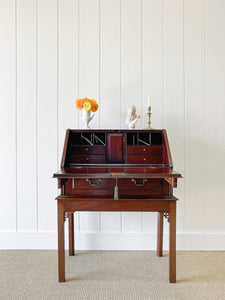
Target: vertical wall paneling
(152, 25)
(215, 108)
(67, 72)
(89, 222)
(110, 222)
(89, 77)
(110, 83)
(8, 115)
(194, 115)
(47, 113)
(132, 222)
(173, 90)
(89, 52)
(68, 68)
(131, 50)
(131, 77)
(110, 63)
(152, 75)
(118, 52)
(26, 116)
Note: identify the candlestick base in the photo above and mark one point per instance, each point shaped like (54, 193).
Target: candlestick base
(149, 118)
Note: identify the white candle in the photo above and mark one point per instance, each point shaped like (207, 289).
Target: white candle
(149, 101)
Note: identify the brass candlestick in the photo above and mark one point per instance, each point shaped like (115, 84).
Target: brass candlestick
(149, 118)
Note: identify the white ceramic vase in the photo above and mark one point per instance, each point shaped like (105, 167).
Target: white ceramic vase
(86, 118)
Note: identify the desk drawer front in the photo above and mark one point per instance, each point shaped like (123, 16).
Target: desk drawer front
(87, 183)
(88, 159)
(104, 183)
(140, 183)
(144, 159)
(97, 187)
(144, 150)
(83, 150)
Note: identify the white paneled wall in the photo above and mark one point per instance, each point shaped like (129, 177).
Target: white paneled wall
(118, 52)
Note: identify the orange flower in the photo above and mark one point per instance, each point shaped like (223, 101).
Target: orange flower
(79, 103)
(94, 107)
(86, 103)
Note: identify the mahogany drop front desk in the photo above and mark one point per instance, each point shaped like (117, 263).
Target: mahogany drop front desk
(117, 170)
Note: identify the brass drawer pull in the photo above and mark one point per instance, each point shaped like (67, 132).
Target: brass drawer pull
(118, 174)
(139, 184)
(98, 180)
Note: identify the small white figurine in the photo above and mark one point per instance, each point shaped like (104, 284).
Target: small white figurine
(132, 117)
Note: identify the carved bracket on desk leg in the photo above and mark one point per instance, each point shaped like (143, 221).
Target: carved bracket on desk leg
(167, 216)
(171, 181)
(69, 211)
(66, 215)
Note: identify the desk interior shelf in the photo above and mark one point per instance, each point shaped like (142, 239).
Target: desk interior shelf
(116, 147)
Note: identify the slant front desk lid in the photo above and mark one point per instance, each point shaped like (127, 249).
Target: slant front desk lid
(120, 172)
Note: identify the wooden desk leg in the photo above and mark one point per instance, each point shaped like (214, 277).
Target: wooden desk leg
(61, 248)
(172, 247)
(71, 233)
(160, 235)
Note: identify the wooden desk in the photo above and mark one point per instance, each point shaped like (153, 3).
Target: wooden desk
(114, 176)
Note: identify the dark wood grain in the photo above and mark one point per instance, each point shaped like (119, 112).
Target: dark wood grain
(71, 233)
(166, 150)
(144, 150)
(115, 148)
(145, 159)
(172, 243)
(160, 234)
(138, 160)
(61, 247)
(105, 171)
(65, 149)
(84, 150)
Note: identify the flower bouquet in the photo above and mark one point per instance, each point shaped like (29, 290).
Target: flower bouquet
(87, 106)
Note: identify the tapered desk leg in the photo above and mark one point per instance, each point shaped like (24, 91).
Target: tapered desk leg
(71, 234)
(172, 247)
(160, 235)
(61, 249)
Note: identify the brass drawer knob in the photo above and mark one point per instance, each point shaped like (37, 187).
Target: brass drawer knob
(139, 184)
(92, 183)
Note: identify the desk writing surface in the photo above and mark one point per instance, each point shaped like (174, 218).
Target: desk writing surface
(112, 171)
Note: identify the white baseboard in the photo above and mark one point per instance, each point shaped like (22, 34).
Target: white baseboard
(111, 241)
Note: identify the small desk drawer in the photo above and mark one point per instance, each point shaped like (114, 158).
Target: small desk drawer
(90, 187)
(144, 150)
(88, 159)
(104, 187)
(144, 159)
(140, 183)
(87, 150)
(88, 183)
